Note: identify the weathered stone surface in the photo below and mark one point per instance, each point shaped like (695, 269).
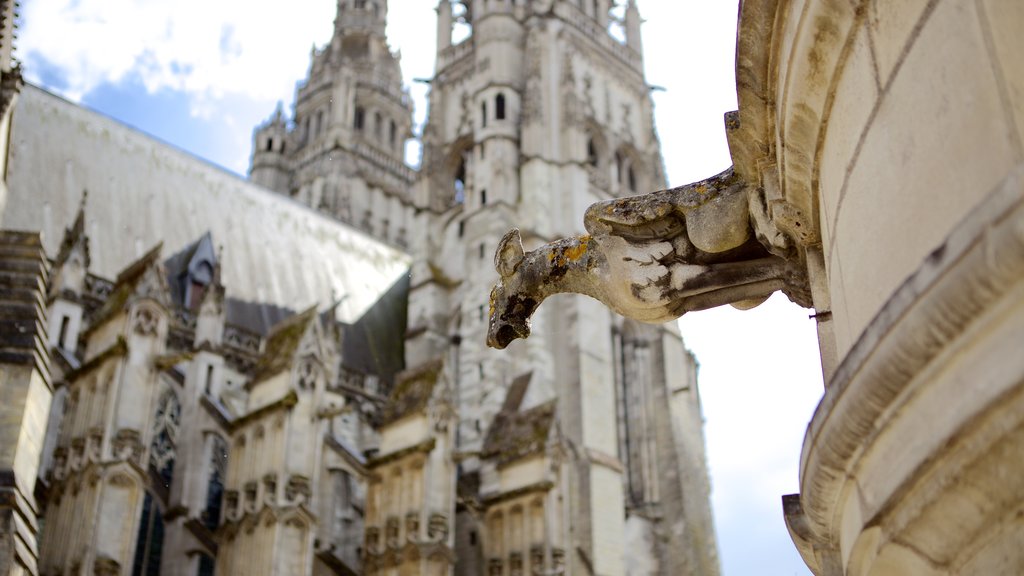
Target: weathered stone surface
(651, 258)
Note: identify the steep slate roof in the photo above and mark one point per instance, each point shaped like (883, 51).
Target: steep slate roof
(375, 344)
(276, 251)
(412, 391)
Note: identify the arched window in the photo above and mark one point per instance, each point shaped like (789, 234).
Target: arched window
(359, 118)
(320, 122)
(215, 482)
(483, 114)
(270, 144)
(149, 543)
(165, 433)
(499, 107)
(460, 181)
(377, 125)
(393, 133)
(591, 152)
(631, 178)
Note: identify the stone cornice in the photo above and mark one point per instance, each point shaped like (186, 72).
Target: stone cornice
(979, 264)
(492, 499)
(284, 403)
(425, 447)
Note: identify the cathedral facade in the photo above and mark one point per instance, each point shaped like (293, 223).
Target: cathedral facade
(289, 375)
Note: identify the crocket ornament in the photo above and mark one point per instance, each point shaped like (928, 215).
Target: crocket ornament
(653, 258)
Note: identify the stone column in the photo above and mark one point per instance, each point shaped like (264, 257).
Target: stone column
(26, 392)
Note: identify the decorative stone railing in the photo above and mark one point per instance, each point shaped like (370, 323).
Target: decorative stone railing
(455, 53)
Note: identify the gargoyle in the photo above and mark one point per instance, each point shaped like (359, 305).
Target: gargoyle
(652, 258)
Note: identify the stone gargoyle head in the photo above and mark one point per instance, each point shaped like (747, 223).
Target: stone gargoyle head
(510, 307)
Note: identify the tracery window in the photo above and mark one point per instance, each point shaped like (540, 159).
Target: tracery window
(150, 541)
(165, 433)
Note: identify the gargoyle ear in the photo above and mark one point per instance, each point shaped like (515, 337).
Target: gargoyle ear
(509, 253)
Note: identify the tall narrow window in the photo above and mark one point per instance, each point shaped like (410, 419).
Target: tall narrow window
(206, 566)
(631, 176)
(270, 144)
(149, 543)
(63, 337)
(482, 251)
(208, 386)
(483, 114)
(591, 153)
(393, 133)
(499, 107)
(460, 181)
(483, 196)
(359, 119)
(377, 125)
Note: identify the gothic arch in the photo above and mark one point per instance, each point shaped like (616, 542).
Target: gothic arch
(458, 171)
(629, 170)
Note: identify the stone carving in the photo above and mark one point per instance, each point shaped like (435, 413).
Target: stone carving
(437, 529)
(127, 445)
(298, 489)
(146, 322)
(412, 526)
(652, 258)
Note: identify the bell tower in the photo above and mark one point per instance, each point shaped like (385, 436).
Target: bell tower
(342, 151)
(537, 110)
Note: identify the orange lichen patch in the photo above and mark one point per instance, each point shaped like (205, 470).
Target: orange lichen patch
(702, 189)
(574, 253)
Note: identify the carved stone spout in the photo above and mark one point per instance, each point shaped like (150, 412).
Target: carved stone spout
(652, 258)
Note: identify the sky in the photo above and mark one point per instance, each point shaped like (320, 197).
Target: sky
(200, 75)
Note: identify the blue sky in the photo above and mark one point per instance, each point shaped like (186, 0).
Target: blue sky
(200, 75)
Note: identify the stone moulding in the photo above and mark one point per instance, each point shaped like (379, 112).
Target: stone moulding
(979, 265)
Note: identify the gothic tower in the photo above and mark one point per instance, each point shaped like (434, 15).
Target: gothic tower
(342, 152)
(536, 111)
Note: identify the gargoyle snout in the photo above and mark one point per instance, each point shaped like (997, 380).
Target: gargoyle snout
(509, 319)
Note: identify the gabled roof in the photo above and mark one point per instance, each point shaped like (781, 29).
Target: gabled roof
(519, 434)
(126, 285)
(282, 344)
(516, 433)
(412, 391)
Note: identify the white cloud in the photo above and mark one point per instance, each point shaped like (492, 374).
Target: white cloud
(202, 48)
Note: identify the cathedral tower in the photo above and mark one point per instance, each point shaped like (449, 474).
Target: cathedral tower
(342, 151)
(536, 111)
